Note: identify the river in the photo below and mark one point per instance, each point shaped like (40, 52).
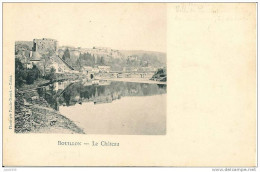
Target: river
(110, 107)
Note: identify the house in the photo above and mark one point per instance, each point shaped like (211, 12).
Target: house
(59, 86)
(130, 69)
(29, 65)
(87, 69)
(148, 69)
(104, 69)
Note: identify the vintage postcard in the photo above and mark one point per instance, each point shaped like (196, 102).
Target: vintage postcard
(129, 84)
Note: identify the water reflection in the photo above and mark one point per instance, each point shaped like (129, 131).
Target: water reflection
(68, 94)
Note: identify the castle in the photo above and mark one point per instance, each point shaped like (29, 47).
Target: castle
(44, 45)
(47, 46)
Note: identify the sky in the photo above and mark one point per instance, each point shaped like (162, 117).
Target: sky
(132, 26)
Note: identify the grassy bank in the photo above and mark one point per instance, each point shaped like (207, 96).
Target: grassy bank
(40, 118)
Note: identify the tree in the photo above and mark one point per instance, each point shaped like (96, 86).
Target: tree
(66, 55)
(128, 62)
(98, 60)
(102, 61)
(79, 61)
(160, 74)
(20, 73)
(93, 60)
(51, 76)
(32, 75)
(45, 63)
(30, 78)
(19, 48)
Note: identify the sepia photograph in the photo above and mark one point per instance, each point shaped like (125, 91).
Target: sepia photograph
(105, 75)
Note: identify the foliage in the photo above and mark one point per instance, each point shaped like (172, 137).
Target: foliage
(26, 76)
(102, 61)
(51, 75)
(160, 75)
(160, 71)
(19, 48)
(86, 59)
(45, 63)
(32, 75)
(66, 55)
(23, 75)
(20, 73)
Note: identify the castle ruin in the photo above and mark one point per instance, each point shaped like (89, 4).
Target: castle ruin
(44, 45)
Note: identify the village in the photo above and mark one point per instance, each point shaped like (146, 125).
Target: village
(92, 63)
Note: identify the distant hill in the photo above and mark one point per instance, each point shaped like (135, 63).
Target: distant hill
(141, 53)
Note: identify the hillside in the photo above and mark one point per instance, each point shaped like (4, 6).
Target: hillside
(117, 59)
(28, 43)
(161, 57)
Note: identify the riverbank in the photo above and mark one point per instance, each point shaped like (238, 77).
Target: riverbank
(138, 80)
(38, 117)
